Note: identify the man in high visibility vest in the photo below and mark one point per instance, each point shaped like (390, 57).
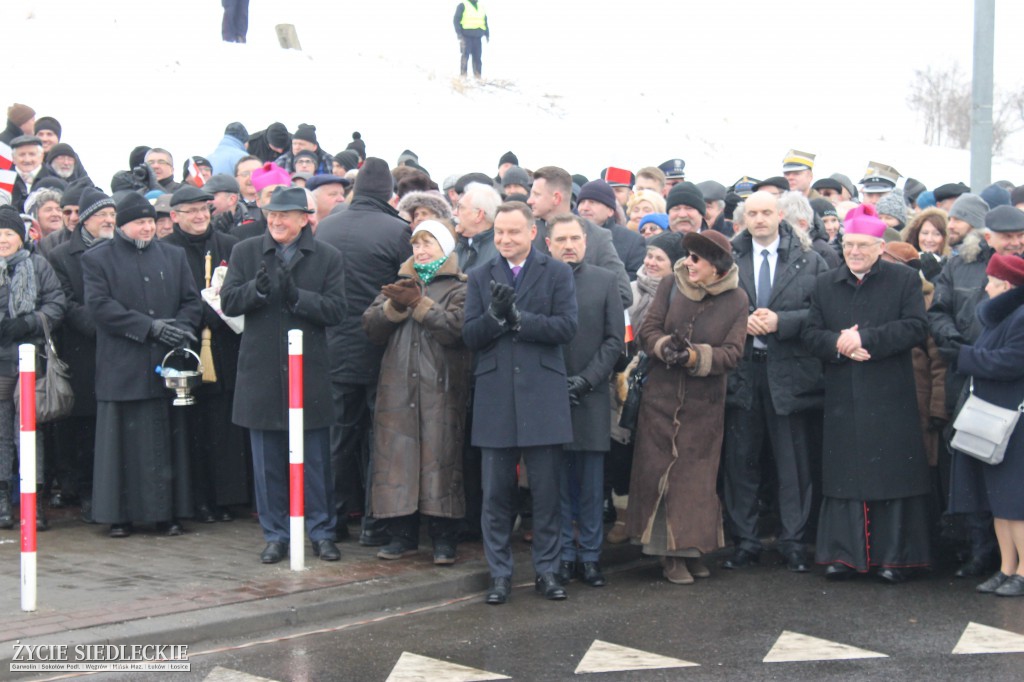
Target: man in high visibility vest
(471, 26)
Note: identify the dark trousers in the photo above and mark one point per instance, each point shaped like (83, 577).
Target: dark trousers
(582, 479)
(236, 20)
(271, 471)
(745, 431)
(472, 47)
(471, 479)
(217, 452)
(351, 445)
(76, 445)
(407, 529)
(544, 465)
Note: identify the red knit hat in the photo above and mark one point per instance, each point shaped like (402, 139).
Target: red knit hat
(1007, 268)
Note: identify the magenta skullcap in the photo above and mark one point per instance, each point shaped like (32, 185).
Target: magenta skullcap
(270, 174)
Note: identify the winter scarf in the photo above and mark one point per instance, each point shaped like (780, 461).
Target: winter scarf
(21, 286)
(426, 271)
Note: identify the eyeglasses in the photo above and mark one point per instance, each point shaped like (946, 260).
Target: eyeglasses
(193, 211)
(158, 162)
(70, 211)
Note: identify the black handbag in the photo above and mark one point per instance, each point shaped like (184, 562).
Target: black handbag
(634, 389)
(54, 397)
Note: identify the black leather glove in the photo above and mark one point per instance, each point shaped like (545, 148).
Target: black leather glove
(14, 329)
(263, 281)
(166, 333)
(937, 424)
(502, 300)
(513, 318)
(930, 266)
(578, 387)
(289, 292)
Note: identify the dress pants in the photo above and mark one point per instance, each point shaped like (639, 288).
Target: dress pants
(351, 448)
(582, 479)
(745, 431)
(270, 469)
(499, 506)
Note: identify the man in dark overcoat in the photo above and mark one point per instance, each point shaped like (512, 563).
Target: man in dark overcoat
(142, 298)
(76, 434)
(519, 312)
(280, 281)
(216, 446)
(589, 360)
(865, 319)
(774, 386)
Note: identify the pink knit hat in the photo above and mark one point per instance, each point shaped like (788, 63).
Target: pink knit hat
(270, 174)
(864, 220)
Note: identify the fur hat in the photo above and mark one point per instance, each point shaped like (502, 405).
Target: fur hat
(133, 207)
(432, 201)
(686, 194)
(969, 208)
(375, 179)
(1007, 268)
(712, 246)
(20, 114)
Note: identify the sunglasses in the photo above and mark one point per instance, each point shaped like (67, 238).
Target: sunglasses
(694, 257)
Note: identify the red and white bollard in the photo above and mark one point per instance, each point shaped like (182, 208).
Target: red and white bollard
(27, 457)
(296, 453)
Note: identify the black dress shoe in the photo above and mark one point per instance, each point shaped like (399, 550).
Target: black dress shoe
(839, 572)
(796, 562)
(120, 530)
(741, 558)
(977, 565)
(373, 538)
(548, 585)
(993, 583)
(224, 514)
(205, 515)
(1013, 587)
(500, 589)
(592, 574)
(565, 571)
(893, 576)
(326, 550)
(274, 552)
(170, 528)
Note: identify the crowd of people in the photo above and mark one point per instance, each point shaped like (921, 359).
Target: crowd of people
(771, 364)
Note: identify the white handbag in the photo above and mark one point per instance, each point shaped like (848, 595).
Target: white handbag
(983, 430)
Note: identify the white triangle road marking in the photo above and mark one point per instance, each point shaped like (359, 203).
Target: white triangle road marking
(416, 668)
(220, 674)
(605, 657)
(982, 639)
(793, 646)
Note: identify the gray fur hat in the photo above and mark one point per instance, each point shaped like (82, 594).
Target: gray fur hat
(434, 201)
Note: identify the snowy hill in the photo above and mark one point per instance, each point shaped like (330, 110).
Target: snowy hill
(570, 84)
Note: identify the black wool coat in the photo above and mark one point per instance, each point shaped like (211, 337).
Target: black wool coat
(872, 448)
(593, 352)
(76, 338)
(126, 289)
(261, 388)
(631, 246)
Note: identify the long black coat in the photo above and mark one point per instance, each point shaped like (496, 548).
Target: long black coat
(600, 252)
(631, 246)
(261, 389)
(522, 398)
(592, 353)
(481, 252)
(125, 290)
(872, 447)
(374, 242)
(794, 374)
(224, 343)
(77, 336)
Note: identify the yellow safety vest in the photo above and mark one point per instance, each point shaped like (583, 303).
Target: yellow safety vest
(474, 17)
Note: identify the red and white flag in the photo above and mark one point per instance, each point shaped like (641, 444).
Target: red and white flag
(7, 178)
(6, 157)
(194, 176)
(629, 327)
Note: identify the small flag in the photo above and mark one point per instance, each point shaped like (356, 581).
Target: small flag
(194, 176)
(629, 327)
(7, 179)
(6, 157)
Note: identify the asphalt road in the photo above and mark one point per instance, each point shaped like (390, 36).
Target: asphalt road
(727, 625)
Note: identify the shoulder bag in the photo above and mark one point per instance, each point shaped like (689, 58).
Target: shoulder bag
(983, 430)
(54, 397)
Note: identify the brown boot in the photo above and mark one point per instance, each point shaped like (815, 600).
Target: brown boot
(675, 571)
(617, 534)
(697, 568)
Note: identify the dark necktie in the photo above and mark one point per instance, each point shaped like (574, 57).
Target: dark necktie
(764, 281)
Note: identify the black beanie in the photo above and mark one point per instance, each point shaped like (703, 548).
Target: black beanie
(599, 191)
(73, 194)
(305, 132)
(237, 131)
(48, 123)
(824, 207)
(671, 243)
(91, 201)
(278, 136)
(138, 156)
(348, 159)
(358, 145)
(60, 149)
(375, 179)
(10, 219)
(133, 207)
(686, 194)
(508, 157)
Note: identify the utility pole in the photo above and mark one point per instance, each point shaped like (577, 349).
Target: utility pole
(981, 94)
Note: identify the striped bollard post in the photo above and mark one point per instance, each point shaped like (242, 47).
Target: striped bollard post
(27, 458)
(296, 453)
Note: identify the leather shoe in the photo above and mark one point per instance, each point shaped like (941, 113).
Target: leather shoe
(120, 530)
(839, 572)
(565, 571)
(796, 562)
(500, 589)
(893, 576)
(975, 566)
(224, 514)
(548, 585)
(170, 528)
(373, 538)
(205, 515)
(993, 583)
(274, 552)
(741, 558)
(326, 550)
(592, 574)
(1013, 587)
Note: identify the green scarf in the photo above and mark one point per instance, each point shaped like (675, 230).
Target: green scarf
(427, 271)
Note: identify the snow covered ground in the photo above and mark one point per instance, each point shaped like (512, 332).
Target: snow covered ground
(729, 87)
